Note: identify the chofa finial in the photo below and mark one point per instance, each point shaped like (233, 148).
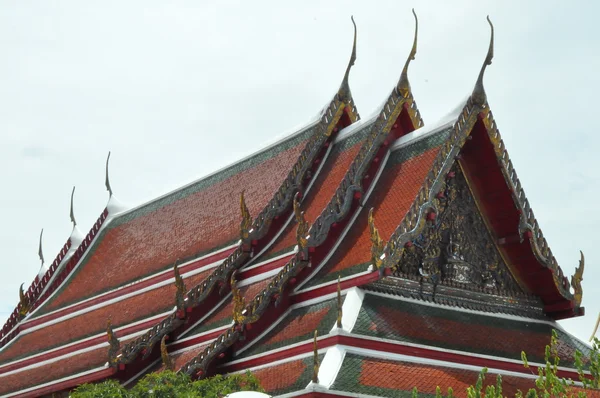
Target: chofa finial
(246, 222)
(164, 354)
(377, 243)
(24, 302)
(72, 213)
(345, 87)
(478, 95)
(107, 181)
(40, 252)
(403, 84)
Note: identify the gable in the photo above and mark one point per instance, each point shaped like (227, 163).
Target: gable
(456, 248)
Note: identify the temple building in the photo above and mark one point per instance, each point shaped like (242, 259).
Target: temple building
(354, 257)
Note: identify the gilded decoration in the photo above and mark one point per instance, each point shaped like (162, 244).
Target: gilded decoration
(377, 244)
(576, 280)
(24, 303)
(302, 228)
(164, 354)
(455, 247)
(113, 344)
(180, 291)
(246, 222)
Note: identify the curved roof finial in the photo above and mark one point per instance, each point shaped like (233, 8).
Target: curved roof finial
(107, 181)
(478, 95)
(344, 90)
(403, 84)
(72, 213)
(40, 252)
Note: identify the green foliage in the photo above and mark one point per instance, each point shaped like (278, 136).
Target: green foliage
(169, 384)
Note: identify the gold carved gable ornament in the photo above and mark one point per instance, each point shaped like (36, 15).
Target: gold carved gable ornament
(456, 247)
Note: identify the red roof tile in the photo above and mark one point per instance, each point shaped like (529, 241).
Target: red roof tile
(183, 228)
(280, 377)
(394, 194)
(123, 312)
(53, 371)
(321, 192)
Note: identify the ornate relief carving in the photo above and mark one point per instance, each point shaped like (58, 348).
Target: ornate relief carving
(455, 247)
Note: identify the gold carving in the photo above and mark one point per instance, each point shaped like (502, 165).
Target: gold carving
(576, 281)
(246, 219)
(315, 376)
(113, 343)
(180, 289)
(24, 303)
(239, 303)
(376, 242)
(302, 229)
(164, 354)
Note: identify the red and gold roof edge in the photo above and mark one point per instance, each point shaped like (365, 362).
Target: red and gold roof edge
(40, 290)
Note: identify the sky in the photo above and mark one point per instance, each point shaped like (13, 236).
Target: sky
(179, 89)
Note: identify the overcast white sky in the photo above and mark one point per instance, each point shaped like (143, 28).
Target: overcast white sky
(179, 89)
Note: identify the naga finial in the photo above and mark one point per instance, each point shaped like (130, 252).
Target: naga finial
(377, 244)
(40, 252)
(403, 84)
(302, 228)
(344, 90)
(180, 290)
(595, 328)
(107, 181)
(479, 96)
(239, 303)
(24, 302)
(576, 281)
(315, 376)
(114, 345)
(164, 354)
(339, 304)
(72, 212)
(246, 222)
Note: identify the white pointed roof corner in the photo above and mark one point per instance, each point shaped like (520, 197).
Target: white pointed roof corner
(248, 394)
(330, 366)
(114, 206)
(350, 309)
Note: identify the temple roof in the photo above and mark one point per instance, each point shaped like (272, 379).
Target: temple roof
(238, 270)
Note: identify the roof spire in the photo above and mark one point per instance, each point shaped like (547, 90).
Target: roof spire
(40, 252)
(344, 90)
(478, 95)
(107, 181)
(72, 213)
(403, 84)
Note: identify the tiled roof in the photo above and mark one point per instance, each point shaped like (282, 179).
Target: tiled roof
(385, 378)
(53, 371)
(393, 195)
(323, 188)
(298, 326)
(224, 315)
(92, 323)
(191, 221)
(464, 331)
(286, 377)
